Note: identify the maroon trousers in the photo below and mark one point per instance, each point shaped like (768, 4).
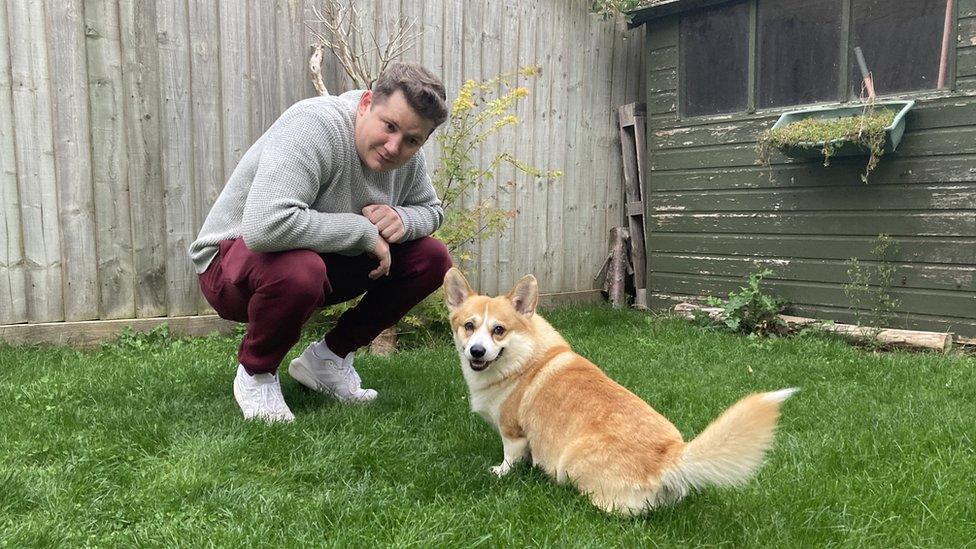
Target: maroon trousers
(276, 293)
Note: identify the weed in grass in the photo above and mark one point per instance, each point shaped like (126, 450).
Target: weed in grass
(748, 311)
(135, 341)
(869, 289)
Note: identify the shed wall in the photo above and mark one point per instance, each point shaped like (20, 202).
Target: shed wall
(714, 216)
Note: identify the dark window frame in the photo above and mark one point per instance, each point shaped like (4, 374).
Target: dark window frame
(846, 60)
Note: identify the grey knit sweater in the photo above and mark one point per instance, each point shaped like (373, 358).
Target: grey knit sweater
(302, 185)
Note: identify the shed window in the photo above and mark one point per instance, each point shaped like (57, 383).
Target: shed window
(799, 51)
(901, 42)
(804, 51)
(715, 60)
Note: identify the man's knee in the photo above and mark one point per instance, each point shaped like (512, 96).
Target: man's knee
(433, 260)
(299, 274)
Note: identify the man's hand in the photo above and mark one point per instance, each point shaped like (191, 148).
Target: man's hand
(386, 220)
(381, 252)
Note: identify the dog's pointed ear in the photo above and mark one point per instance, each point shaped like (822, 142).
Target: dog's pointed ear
(456, 288)
(525, 295)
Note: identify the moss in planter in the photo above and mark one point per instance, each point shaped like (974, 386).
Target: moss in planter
(867, 130)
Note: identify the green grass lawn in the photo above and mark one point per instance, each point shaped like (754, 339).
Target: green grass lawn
(144, 444)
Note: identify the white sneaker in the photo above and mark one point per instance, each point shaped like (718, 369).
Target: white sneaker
(259, 397)
(332, 375)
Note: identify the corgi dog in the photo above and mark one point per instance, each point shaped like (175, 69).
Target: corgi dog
(577, 424)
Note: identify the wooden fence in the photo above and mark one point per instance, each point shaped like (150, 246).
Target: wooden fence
(120, 121)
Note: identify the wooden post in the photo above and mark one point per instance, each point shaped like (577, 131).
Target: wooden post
(617, 273)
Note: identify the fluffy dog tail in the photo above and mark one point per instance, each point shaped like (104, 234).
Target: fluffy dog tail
(730, 449)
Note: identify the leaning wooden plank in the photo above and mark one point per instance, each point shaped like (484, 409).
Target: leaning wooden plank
(890, 337)
(73, 160)
(110, 169)
(140, 80)
(13, 279)
(92, 333)
(631, 123)
(182, 290)
(34, 153)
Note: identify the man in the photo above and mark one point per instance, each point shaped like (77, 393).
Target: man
(334, 200)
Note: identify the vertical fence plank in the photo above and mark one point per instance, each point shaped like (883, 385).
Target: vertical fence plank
(599, 116)
(558, 158)
(542, 127)
(544, 135)
(452, 69)
(109, 166)
(471, 36)
(263, 65)
(577, 196)
(182, 290)
(509, 182)
(291, 53)
(585, 156)
(386, 14)
(453, 46)
(427, 21)
(73, 162)
(234, 71)
(205, 112)
(619, 68)
(491, 47)
(333, 74)
(306, 39)
(140, 80)
(34, 152)
(524, 236)
(426, 52)
(13, 280)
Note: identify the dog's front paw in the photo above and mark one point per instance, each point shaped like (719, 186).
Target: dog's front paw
(501, 470)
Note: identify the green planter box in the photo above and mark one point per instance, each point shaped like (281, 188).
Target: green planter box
(844, 147)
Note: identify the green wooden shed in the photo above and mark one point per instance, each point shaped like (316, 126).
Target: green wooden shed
(719, 72)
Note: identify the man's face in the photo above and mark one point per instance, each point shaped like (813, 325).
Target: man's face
(388, 133)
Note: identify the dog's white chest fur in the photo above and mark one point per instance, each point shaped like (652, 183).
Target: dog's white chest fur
(487, 401)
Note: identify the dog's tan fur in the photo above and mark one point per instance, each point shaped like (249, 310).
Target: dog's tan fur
(578, 424)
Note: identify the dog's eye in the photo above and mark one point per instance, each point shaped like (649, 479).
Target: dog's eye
(499, 331)
(469, 326)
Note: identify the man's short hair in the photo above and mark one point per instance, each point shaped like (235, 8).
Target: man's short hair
(423, 91)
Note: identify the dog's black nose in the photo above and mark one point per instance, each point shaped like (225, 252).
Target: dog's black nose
(477, 351)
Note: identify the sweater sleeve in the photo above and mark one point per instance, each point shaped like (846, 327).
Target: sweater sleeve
(299, 154)
(421, 210)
